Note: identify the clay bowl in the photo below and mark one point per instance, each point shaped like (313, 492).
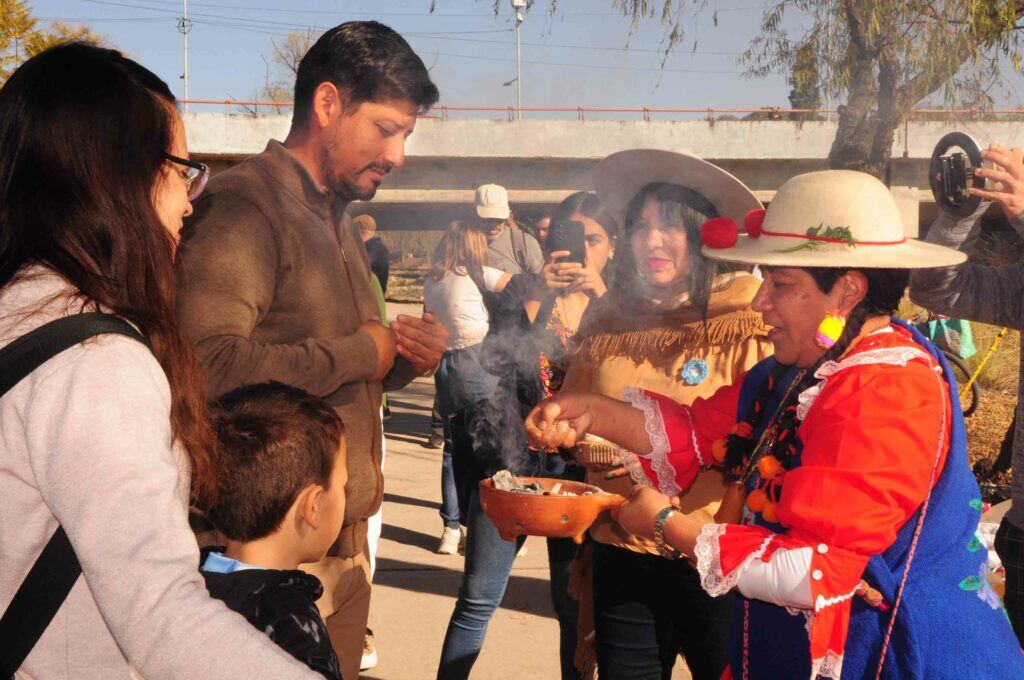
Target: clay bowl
(516, 514)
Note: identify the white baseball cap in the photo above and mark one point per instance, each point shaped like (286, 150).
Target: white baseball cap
(492, 202)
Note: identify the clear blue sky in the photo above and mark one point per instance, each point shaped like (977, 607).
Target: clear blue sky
(576, 57)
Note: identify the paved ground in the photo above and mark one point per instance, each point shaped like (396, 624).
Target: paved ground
(414, 588)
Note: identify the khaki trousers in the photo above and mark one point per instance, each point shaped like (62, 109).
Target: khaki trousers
(345, 605)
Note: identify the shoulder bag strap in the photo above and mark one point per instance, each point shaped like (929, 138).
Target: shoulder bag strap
(519, 248)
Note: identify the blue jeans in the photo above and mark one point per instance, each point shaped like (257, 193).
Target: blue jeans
(488, 564)
(459, 382)
(449, 494)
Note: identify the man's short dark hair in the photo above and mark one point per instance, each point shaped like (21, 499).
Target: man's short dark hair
(366, 61)
(275, 440)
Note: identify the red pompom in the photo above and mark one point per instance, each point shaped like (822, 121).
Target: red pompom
(719, 232)
(753, 222)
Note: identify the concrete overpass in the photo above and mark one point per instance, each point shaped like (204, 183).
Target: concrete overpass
(542, 161)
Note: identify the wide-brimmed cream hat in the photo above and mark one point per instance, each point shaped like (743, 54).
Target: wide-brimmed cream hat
(619, 177)
(832, 218)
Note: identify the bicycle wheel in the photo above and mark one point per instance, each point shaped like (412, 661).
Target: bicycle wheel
(968, 402)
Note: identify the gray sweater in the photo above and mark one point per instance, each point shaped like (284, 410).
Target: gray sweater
(993, 295)
(85, 441)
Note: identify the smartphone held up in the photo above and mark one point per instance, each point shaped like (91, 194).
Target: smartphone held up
(568, 235)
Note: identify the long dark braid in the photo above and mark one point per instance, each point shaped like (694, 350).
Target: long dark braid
(885, 289)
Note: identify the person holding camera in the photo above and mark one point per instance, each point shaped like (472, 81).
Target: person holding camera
(993, 295)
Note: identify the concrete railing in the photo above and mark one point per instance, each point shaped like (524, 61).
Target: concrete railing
(218, 134)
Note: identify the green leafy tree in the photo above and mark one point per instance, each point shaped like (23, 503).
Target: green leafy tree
(883, 57)
(879, 58)
(805, 81)
(21, 37)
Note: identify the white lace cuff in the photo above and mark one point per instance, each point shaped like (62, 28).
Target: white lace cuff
(696, 446)
(631, 462)
(709, 565)
(654, 426)
(829, 667)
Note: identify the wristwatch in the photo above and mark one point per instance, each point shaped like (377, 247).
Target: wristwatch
(659, 533)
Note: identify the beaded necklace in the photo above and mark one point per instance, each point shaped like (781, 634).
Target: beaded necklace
(771, 455)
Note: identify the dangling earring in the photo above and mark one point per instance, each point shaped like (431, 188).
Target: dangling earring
(830, 329)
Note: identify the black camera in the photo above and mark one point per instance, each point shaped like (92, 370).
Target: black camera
(951, 174)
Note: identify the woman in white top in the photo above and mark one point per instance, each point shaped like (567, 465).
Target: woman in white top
(107, 439)
(453, 292)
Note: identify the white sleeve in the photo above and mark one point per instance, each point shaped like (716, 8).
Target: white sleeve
(97, 423)
(784, 580)
(428, 295)
(492, 277)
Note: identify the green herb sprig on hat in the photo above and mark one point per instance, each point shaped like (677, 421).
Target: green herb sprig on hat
(820, 235)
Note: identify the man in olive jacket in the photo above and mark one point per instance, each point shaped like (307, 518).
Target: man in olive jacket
(275, 284)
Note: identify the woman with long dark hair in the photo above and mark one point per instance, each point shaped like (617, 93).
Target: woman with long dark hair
(678, 323)
(107, 442)
(848, 537)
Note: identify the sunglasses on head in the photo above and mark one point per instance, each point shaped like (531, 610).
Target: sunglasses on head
(195, 177)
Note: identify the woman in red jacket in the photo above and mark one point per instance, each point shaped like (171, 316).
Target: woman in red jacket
(848, 532)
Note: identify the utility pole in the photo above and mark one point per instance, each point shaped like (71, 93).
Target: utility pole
(517, 7)
(184, 26)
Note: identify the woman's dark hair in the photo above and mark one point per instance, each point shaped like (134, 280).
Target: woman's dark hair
(368, 62)
(83, 132)
(275, 441)
(689, 209)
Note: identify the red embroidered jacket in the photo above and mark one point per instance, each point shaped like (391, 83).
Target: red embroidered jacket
(875, 434)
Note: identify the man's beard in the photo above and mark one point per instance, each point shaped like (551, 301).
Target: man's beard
(345, 188)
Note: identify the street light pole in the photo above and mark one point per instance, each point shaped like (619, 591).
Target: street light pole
(517, 6)
(184, 26)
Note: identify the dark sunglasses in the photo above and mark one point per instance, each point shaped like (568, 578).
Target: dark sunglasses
(195, 176)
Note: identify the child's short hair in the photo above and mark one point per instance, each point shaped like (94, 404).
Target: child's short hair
(275, 440)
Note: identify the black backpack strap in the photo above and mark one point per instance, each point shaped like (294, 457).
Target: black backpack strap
(519, 248)
(56, 569)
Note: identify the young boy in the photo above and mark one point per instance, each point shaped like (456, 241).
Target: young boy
(281, 503)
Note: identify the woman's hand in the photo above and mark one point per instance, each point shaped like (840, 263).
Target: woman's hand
(637, 514)
(561, 421)
(557, 276)
(588, 280)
